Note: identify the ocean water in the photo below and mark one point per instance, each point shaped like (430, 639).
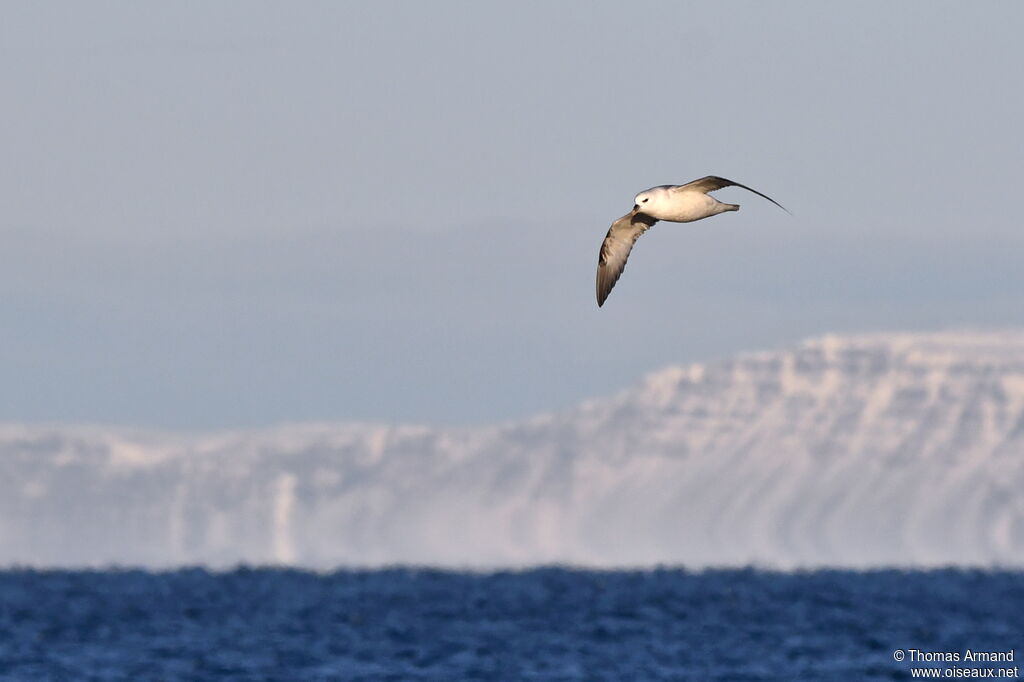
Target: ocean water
(541, 624)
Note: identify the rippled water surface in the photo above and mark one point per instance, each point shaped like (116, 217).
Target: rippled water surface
(543, 624)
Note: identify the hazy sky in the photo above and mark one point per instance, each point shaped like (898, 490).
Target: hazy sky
(240, 213)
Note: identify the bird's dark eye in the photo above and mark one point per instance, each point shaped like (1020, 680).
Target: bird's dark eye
(644, 201)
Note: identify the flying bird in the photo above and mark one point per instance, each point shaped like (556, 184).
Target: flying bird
(674, 203)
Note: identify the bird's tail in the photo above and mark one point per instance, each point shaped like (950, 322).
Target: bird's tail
(731, 207)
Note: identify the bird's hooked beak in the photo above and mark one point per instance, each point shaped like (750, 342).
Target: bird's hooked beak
(636, 207)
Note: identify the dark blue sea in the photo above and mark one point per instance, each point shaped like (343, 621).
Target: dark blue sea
(542, 624)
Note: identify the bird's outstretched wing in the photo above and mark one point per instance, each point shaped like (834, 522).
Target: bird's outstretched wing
(615, 250)
(713, 182)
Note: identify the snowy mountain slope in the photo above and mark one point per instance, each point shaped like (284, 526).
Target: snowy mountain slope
(855, 451)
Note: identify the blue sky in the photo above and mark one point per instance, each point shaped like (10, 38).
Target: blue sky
(234, 214)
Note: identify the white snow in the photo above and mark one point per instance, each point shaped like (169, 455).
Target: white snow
(865, 450)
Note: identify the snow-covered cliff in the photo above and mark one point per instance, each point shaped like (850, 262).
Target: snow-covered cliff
(854, 451)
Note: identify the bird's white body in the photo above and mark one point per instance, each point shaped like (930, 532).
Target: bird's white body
(677, 204)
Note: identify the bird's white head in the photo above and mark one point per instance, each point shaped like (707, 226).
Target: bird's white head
(648, 198)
